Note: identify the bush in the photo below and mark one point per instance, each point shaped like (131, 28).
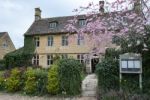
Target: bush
(30, 83)
(36, 80)
(108, 74)
(69, 72)
(2, 80)
(53, 82)
(13, 82)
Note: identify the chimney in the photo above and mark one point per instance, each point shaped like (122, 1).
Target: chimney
(101, 6)
(137, 6)
(37, 14)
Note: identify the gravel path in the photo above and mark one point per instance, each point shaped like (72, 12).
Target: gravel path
(6, 96)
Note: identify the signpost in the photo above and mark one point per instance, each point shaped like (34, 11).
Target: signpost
(131, 63)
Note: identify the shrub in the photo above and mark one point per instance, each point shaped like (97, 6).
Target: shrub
(53, 82)
(13, 82)
(2, 80)
(108, 74)
(30, 83)
(69, 72)
(41, 78)
(36, 80)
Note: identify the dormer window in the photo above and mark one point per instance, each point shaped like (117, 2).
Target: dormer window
(52, 24)
(82, 22)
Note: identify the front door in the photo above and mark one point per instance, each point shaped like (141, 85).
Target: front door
(94, 63)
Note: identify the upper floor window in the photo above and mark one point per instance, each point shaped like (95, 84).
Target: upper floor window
(49, 59)
(35, 60)
(80, 58)
(50, 40)
(82, 22)
(64, 40)
(5, 45)
(37, 41)
(52, 24)
(80, 40)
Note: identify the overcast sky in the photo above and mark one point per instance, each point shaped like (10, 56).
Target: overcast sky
(16, 16)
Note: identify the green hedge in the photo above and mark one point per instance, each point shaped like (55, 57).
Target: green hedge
(70, 77)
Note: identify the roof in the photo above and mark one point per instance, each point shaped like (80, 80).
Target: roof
(2, 34)
(41, 27)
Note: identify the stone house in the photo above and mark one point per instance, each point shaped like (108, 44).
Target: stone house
(6, 44)
(51, 39)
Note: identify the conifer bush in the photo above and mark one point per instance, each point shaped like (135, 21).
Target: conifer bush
(13, 82)
(69, 72)
(53, 82)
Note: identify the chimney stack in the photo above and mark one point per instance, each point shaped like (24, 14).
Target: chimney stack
(101, 6)
(37, 14)
(137, 6)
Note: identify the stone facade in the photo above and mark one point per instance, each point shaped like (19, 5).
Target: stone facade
(6, 44)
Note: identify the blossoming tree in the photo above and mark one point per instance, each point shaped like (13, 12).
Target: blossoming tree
(120, 18)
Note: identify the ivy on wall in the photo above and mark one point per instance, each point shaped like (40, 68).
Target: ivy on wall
(21, 57)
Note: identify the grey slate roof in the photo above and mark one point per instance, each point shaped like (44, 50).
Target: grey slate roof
(42, 26)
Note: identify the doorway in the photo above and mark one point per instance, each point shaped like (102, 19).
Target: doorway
(94, 62)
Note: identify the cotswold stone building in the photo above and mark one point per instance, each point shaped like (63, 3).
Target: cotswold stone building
(50, 39)
(6, 44)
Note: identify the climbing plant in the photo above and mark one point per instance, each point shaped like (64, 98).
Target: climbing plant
(22, 56)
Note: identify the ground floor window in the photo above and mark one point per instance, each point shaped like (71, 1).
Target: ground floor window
(49, 59)
(64, 56)
(80, 58)
(35, 60)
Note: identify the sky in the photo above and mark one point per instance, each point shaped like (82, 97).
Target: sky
(18, 15)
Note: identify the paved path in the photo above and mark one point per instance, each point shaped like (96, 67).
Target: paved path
(89, 86)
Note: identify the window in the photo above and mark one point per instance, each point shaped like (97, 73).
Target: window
(64, 40)
(82, 22)
(80, 40)
(80, 58)
(64, 56)
(5, 45)
(37, 41)
(49, 59)
(52, 24)
(50, 40)
(35, 60)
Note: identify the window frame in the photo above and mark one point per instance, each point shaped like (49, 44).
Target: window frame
(65, 40)
(64, 56)
(37, 41)
(49, 59)
(50, 40)
(80, 40)
(53, 24)
(80, 58)
(35, 60)
(82, 22)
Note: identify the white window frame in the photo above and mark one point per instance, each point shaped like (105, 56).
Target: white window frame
(80, 58)
(64, 56)
(52, 25)
(50, 40)
(65, 40)
(35, 60)
(37, 41)
(80, 40)
(49, 59)
(82, 22)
